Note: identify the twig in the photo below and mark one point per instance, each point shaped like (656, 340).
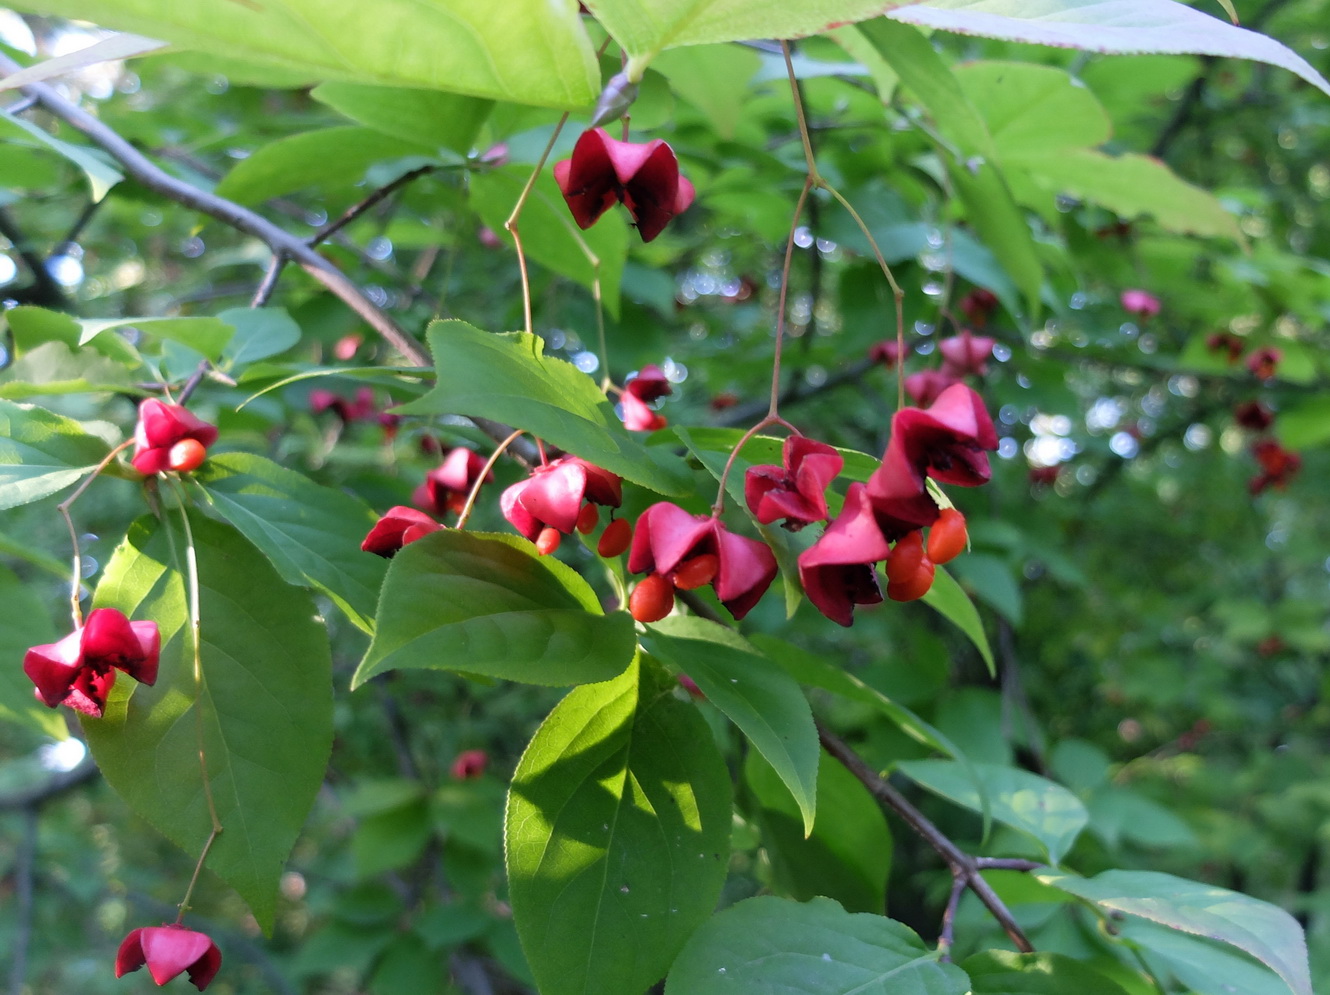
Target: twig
(964, 867)
(356, 210)
(281, 242)
(742, 414)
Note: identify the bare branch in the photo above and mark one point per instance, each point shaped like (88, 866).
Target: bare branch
(964, 867)
(281, 242)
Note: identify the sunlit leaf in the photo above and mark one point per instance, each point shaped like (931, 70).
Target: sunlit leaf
(42, 453)
(1027, 802)
(1258, 928)
(262, 712)
(618, 832)
(764, 702)
(488, 604)
(527, 51)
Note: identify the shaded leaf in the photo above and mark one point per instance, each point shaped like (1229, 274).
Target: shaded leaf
(1264, 931)
(1024, 801)
(424, 117)
(988, 202)
(847, 857)
(309, 532)
(1004, 972)
(618, 831)
(948, 599)
(770, 946)
(819, 672)
(329, 156)
(1132, 186)
(260, 332)
(42, 453)
(487, 604)
(263, 709)
(508, 378)
(762, 700)
(1204, 967)
(27, 624)
(101, 175)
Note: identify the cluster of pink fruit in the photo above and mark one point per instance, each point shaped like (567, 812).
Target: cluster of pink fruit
(881, 520)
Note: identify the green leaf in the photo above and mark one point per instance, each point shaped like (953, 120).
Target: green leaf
(714, 79)
(847, 857)
(263, 709)
(309, 532)
(819, 672)
(1125, 26)
(1205, 968)
(951, 602)
(487, 604)
(1305, 423)
(1024, 801)
(1004, 972)
(260, 332)
(549, 234)
(646, 27)
(27, 624)
(1264, 931)
(972, 166)
(1033, 110)
(425, 117)
(618, 830)
(770, 946)
(1132, 186)
(328, 157)
(508, 378)
(992, 580)
(764, 702)
(54, 368)
(102, 176)
(207, 336)
(42, 453)
(34, 327)
(527, 51)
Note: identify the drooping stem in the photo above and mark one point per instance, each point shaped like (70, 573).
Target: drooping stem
(198, 869)
(719, 507)
(816, 179)
(76, 581)
(196, 646)
(773, 407)
(510, 226)
(465, 513)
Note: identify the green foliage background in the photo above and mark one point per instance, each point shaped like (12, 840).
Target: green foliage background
(1159, 633)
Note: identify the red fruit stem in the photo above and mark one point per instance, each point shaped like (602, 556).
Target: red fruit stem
(76, 581)
(719, 507)
(195, 627)
(465, 513)
(784, 289)
(510, 226)
(815, 178)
